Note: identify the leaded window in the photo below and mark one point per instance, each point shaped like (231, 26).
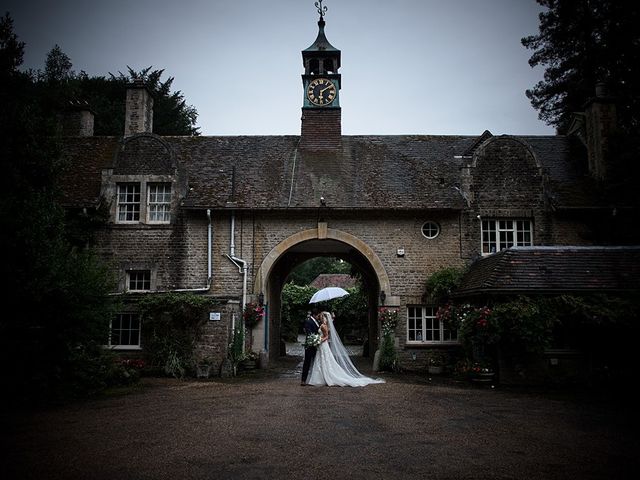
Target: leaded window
(501, 234)
(159, 202)
(424, 327)
(128, 202)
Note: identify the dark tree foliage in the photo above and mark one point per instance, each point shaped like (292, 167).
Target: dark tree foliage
(582, 43)
(59, 85)
(56, 307)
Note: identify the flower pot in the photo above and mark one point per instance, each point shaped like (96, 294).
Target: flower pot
(482, 377)
(203, 371)
(248, 365)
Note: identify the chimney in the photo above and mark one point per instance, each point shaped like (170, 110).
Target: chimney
(600, 113)
(77, 120)
(138, 110)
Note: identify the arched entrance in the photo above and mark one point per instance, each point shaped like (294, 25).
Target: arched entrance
(303, 246)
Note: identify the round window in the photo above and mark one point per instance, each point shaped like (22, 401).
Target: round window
(430, 230)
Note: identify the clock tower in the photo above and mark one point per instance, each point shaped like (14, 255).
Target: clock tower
(321, 125)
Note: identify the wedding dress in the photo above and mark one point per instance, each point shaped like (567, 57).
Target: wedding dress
(332, 365)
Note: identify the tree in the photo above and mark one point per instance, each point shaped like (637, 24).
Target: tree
(59, 85)
(582, 43)
(56, 303)
(57, 66)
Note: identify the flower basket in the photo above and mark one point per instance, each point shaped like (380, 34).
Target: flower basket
(252, 314)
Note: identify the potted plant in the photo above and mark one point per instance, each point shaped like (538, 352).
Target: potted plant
(482, 371)
(249, 360)
(435, 362)
(203, 368)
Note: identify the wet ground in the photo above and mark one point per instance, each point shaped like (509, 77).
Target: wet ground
(265, 425)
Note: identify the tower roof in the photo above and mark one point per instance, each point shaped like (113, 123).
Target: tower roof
(321, 44)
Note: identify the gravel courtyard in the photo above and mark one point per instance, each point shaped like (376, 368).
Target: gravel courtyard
(265, 425)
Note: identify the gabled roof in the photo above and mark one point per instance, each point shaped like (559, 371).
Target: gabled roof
(408, 172)
(531, 270)
(342, 280)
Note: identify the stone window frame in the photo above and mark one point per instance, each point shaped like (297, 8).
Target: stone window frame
(518, 235)
(113, 182)
(420, 334)
(125, 346)
(433, 223)
(149, 188)
(147, 279)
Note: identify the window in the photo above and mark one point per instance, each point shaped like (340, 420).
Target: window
(139, 280)
(430, 230)
(424, 327)
(125, 331)
(500, 234)
(159, 202)
(128, 202)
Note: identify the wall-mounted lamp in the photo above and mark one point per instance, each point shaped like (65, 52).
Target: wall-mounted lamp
(382, 297)
(413, 355)
(261, 299)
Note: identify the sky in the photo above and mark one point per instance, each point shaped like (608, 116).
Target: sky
(432, 67)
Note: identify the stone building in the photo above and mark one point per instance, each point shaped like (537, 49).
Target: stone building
(230, 217)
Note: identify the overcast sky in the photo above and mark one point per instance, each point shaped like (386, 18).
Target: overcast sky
(441, 67)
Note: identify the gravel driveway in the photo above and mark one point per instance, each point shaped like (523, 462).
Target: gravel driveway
(265, 425)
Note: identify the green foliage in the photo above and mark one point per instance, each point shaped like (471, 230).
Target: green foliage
(580, 44)
(172, 324)
(442, 283)
(388, 357)
(295, 305)
(350, 311)
(524, 324)
(236, 347)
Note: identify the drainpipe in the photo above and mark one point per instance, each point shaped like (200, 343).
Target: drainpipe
(209, 277)
(242, 265)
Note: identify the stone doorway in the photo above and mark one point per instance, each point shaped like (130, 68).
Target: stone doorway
(299, 248)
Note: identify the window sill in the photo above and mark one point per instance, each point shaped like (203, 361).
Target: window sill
(413, 343)
(123, 347)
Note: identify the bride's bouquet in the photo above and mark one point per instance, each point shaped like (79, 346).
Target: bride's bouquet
(313, 340)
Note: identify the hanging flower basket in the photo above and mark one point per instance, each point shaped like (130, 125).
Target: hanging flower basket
(252, 314)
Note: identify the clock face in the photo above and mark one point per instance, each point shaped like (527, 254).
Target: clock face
(321, 91)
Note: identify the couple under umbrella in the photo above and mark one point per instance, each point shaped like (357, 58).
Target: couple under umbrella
(324, 354)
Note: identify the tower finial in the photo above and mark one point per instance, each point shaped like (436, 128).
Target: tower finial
(321, 10)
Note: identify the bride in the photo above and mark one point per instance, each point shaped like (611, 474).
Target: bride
(332, 365)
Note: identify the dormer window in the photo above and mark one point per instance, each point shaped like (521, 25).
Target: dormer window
(159, 202)
(499, 234)
(128, 203)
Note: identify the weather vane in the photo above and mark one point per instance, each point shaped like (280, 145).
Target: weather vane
(321, 10)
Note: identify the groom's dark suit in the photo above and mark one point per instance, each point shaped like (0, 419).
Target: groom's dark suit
(310, 326)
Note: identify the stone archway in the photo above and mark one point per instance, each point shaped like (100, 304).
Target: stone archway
(321, 241)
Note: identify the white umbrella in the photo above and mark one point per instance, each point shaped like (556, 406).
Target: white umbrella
(328, 293)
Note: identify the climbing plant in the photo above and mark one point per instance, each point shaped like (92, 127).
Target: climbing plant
(172, 323)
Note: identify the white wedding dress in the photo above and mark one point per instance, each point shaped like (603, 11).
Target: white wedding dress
(332, 365)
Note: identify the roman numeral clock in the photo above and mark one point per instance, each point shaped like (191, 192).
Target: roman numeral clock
(321, 92)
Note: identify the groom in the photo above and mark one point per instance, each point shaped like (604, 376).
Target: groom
(311, 326)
